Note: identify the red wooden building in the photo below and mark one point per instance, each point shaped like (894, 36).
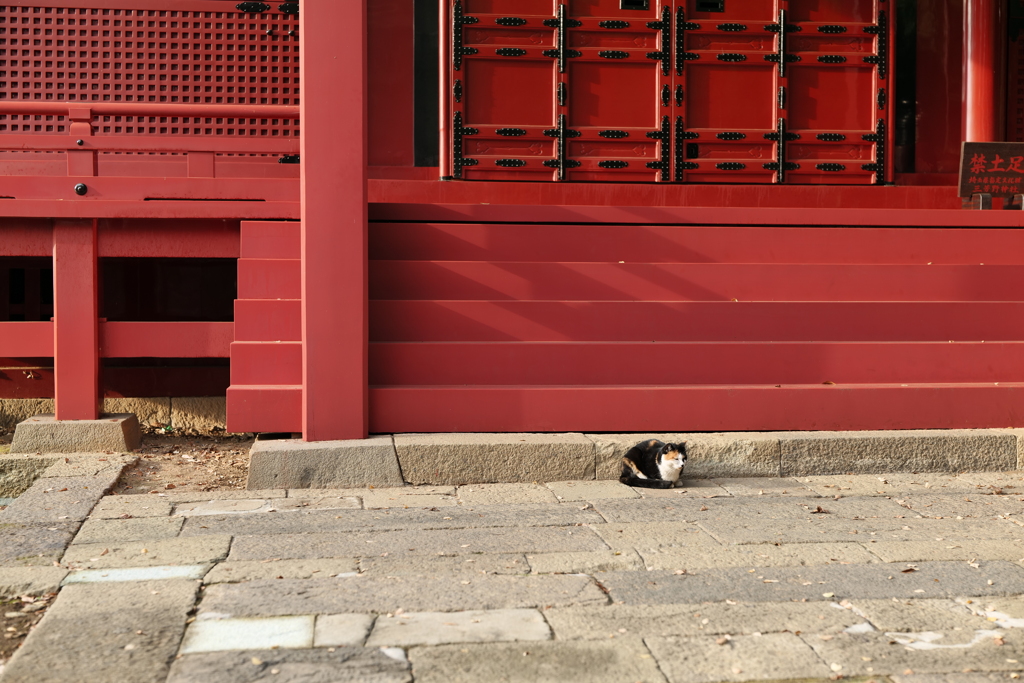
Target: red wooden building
(512, 215)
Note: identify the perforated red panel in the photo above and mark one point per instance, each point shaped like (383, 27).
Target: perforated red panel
(89, 55)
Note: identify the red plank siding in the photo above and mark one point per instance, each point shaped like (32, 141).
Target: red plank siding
(268, 320)
(165, 340)
(270, 240)
(262, 363)
(264, 408)
(269, 278)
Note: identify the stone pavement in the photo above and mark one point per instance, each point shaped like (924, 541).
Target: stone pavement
(897, 578)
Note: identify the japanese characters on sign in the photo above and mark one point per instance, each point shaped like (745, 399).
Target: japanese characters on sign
(995, 168)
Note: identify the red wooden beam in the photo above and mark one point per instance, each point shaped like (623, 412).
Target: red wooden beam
(26, 237)
(982, 89)
(165, 339)
(26, 339)
(334, 222)
(76, 328)
(245, 111)
(168, 239)
(62, 189)
(138, 208)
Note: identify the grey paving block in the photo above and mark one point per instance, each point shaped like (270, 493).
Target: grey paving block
(764, 555)
(966, 504)
(90, 465)
(235, 506)
(296, 464)
(747, 508)
(192, 572)
(888, 484)
(742, 658)
(472, 626)
(387, 594)
(336, 630)
(568, 491)
(690, 488)
(919, 615)
(126, 530)
(832, 582)
(1012, 481)
(137, 631)
(585, 563)
(125, 507)
(948, 450)
(938, 652)
(326, 521)
(708, 455)
(195, 550)
(975, 677)
(1004, 611)
(505, 494)
(644, 535)
(18, 472)
(34, 544)
(340, 665)
(223, 494)
(117, 432)
(761, 486)
(425, 565)
(829, 528)
(30, 580)
(213, 635)
(965, 550)
(488, 458)
(59, 499)
(576, 662)
(417, 542)
(377, 499)
(235, 572)
(715, 618)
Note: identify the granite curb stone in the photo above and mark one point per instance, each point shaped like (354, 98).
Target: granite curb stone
(59, 499)
(295, 464)
(340, 665)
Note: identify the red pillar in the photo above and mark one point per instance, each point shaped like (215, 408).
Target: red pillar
(76, 326)
(334, 213)
(982, 50)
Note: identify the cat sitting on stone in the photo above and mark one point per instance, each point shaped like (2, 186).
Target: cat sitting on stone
(654, 465)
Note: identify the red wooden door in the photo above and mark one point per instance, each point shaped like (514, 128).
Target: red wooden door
(710, 91)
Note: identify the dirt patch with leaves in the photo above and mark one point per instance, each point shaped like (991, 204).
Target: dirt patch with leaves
(19, 616)
(187, 463)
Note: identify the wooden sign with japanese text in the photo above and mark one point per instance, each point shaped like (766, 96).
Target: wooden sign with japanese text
(995, 168)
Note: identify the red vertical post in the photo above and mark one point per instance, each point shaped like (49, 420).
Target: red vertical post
(334, 220)
(76, 326)
(981, 69)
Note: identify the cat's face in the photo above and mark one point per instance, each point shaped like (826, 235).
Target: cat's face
(673, 456)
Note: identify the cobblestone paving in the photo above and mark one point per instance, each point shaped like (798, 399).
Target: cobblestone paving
(898, 579)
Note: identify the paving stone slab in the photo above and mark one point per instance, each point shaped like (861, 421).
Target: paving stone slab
(337, 630)
(34, 544)
(126, 530)
(195, 550)
(488, 458)
(236, 506)
(828, 528)
(134, 574)
(293, 504)
(235, 572)
(59, 499)
(976, 504)
(382, 499)
(505, 494)
(1012, 480)
(715, 618)
(965, 550)
(90, 465)
(939, 652)
(30, 580)
(1005, 611)
(888, 484)
(425, 565)
(761, 486)
(576, 662)
(568, 491)
(689, 488)
(976, 677)
(387, 594)
(397, 491)
(214, 635)
(919, 615)
(18, 472)
(125, 507)
(138, 628)
(708, 455)
(224, 494)
(116, 432)
(833, 582)
(765, 555)
(947, 450)
(644, 535)
(342, 665)
(393, 519)
(297, 464)
(416, 542)
(742, 658)
(472, 626)
(585, 563)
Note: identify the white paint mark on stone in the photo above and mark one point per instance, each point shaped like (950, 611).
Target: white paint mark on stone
(222, 507)
(395, 653)
(1002, 620)
(926, 640)
(216, 635)
(864, 627)
(188, 571)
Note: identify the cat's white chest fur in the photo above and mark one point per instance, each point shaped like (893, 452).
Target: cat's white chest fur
(670, 470)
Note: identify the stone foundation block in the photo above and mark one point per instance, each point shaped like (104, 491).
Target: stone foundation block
(45, 434)
(492, 458)
(294, 464)
(708, 455)
(199, 414)
(152, 412)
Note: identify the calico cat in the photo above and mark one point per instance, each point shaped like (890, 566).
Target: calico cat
(654, 465)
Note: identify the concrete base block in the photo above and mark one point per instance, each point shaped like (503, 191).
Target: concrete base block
(708, 455)
(198, 414)
(294, 464)
(947, 450)
(45, 434)
(491, 458)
